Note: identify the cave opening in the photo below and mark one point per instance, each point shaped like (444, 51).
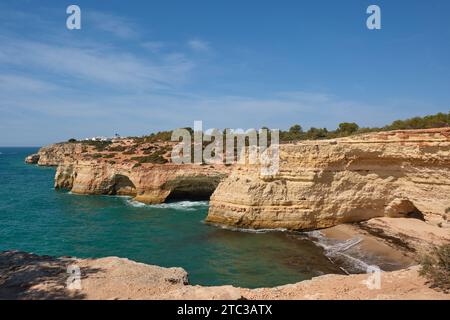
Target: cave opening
(405, 208)
(411, 211)
(191, 189)
(185, 195)
(415, 214)
(122, 185)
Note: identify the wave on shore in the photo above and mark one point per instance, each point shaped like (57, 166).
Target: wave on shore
(247, 230)
(345, 253)
(180, 205)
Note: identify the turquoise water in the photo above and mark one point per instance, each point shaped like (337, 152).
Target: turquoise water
(36, 218)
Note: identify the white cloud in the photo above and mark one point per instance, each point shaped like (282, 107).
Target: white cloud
(119, 26)
(97, 64)
(12, 82)
(199, 45)
(154, 46)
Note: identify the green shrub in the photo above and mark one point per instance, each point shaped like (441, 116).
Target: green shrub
(154, 137)
(157, 159)
(117, 148)
(344, 129)
(130, 151)
(436, 267)
(108, 155)
(98, 145)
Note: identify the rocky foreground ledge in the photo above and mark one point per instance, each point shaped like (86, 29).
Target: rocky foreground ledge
(28, 276)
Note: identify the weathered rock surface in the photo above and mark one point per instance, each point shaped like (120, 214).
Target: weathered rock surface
(319, 184)
(55, 154)
(28, 276)
(32, 159)
(325, 183)
(114, 169)
(405, 284)
(148, 183)
(417, 237)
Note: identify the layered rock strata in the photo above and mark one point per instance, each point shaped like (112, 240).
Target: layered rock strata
(128, 167)
(149, 183)
(55, 154)
(324, 183)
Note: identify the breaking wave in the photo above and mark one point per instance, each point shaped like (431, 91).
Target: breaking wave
(221, 226)
(344, 253)
(180, 205)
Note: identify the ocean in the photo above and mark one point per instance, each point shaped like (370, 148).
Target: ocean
(36, 218)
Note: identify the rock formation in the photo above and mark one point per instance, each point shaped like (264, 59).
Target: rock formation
(372, 177)
(324, 183)
(29, 276)
(319, 183)
(32, 159)
(127, 167)
(149, 183)
(55, 154)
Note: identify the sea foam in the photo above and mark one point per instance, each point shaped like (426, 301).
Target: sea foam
(339, 250)
(180, 205)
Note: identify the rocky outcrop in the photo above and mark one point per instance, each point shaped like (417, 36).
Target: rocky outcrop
(29, 276)
(55, 154)
(324, 183)
(32, 159)
(148, 183)
(319, 183)
(120, 168)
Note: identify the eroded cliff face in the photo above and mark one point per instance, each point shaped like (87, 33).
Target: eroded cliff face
(121, 168)
(325, 183)
(147, 183)
(54, 154)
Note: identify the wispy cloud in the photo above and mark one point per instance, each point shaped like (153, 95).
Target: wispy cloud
(12, 82)
(56, 84)
(116, 25)
(199, 45)
(96, 64)
(153, 46)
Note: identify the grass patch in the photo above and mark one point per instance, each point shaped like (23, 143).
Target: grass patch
(436, 268)
(153, 158)
(98, 145)
(108, 155)
(117, 148)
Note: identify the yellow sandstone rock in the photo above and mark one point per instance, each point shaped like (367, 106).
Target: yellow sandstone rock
(324, 183)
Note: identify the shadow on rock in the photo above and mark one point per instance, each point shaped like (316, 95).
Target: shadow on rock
(29, 276)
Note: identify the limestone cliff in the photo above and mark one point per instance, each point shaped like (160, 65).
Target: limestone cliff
(128, 167)
(325, 183)
(148, 183)
(57, 153)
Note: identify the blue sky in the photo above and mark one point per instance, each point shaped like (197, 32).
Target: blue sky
(141, 66)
